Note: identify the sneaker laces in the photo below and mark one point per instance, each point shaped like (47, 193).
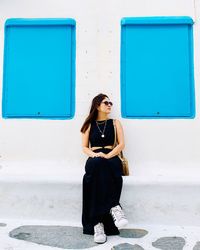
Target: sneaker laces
(118, 213)
(99, 229)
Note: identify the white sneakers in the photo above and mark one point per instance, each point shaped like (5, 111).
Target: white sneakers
(119, 217)
(99, 234)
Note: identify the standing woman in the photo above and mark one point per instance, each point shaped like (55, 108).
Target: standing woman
(102, 213)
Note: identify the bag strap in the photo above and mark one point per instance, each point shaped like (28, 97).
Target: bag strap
(115, 134)
(115, 140)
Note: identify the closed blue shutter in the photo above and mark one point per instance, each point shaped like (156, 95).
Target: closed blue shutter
(157, 67)
(39, 68)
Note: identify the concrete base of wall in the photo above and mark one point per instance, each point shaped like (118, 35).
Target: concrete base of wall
(57, 195)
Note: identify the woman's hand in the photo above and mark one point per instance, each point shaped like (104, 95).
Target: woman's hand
(106, 156)
(100, 154)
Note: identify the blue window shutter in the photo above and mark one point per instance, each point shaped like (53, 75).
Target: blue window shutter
(157, 67)
(39, 68)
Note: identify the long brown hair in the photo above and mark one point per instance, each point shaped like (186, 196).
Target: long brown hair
(93, 111)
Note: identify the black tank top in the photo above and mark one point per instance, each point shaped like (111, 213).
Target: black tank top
(95, 135)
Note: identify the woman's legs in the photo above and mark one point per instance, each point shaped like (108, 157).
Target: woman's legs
(102, 184)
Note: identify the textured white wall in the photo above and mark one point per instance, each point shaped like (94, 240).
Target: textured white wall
(149, 143)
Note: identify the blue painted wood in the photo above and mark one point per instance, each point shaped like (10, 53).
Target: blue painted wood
(39, 69)
(157, 20)
(157, 68)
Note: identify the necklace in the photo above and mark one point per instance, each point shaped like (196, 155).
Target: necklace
(101, 122)
(102, 132)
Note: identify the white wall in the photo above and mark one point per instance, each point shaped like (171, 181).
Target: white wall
(166, 144)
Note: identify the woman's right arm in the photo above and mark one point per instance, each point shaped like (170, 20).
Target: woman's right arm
(85, 143)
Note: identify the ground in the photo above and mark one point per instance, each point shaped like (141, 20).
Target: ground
(43, 235)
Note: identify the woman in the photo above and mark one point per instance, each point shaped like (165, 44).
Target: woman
(102, 182)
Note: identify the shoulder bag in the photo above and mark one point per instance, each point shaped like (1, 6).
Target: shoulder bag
(120, 155)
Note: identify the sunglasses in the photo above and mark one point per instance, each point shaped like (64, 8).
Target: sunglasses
(108, 103)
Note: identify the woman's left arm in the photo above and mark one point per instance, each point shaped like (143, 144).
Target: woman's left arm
(120, 139)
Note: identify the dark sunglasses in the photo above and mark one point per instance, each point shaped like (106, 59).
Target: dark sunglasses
(108, 103)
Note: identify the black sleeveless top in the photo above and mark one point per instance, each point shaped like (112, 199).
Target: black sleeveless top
(95, 135)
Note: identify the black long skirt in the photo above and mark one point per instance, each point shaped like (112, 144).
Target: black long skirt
(102, 185)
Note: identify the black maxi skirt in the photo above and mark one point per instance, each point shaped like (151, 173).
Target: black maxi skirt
(101, 190)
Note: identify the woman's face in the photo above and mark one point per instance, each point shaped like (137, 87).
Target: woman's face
(105, 106)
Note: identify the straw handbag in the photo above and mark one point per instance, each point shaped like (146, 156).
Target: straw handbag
(120, 155)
